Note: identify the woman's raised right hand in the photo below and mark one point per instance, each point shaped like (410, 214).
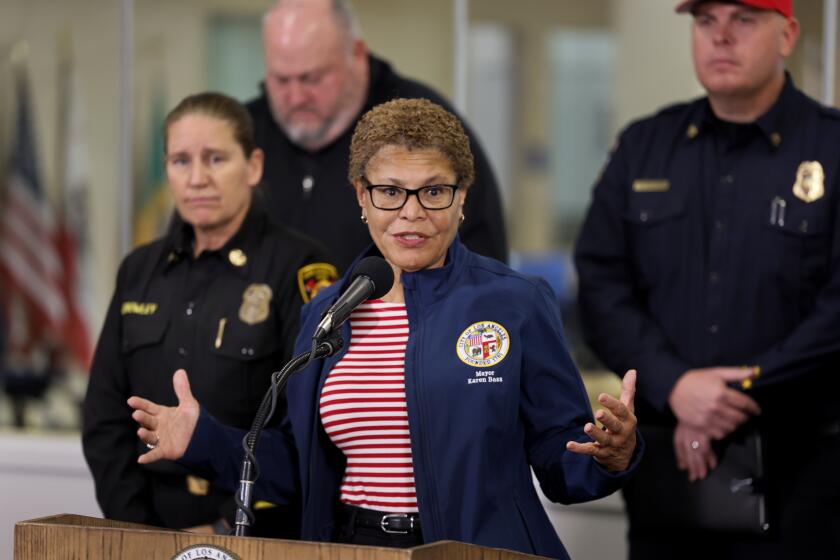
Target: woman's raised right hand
(166, 430)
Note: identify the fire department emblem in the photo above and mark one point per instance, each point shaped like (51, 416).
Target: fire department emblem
(483, 344)
(313, 278)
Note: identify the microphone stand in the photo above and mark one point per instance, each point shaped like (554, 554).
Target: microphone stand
(250, 468)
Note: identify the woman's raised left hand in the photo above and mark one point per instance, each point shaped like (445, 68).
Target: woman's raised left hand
(613, 445)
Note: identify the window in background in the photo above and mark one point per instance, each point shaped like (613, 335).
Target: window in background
(234, 61)
(491, 90)
(581, 68)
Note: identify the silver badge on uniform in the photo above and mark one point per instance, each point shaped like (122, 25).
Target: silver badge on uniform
(255, 302)
(810, 181)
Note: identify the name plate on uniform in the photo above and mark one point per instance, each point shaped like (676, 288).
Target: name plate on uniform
(651, 185)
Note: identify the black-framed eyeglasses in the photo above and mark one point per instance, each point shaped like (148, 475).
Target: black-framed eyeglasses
(392, 197)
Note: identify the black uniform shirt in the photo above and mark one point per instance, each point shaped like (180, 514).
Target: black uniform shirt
(709, 244)
(229, 317)
(310, 192)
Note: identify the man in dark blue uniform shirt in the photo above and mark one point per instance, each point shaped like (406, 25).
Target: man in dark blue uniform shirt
(320, 79)
(710, 261)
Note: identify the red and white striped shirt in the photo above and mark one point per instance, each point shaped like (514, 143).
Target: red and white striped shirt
(364, 412)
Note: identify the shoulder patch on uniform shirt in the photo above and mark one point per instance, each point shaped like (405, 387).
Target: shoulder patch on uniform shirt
(810, 181)
(314, 277)
(651, 185)
(138, 308)
(483, 344)
(255, 304)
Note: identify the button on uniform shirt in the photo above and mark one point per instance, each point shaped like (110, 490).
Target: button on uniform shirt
(229, 317)
(710, 243)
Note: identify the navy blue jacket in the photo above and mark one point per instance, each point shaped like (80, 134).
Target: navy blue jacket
(473, 442)
(699, 250)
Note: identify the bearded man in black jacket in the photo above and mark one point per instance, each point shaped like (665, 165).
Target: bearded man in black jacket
(320, 78)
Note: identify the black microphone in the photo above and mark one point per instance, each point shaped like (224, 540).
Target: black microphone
(372, 278)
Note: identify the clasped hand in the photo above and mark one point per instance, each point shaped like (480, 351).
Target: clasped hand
(613, 445)
(702, 399)
(707, 409)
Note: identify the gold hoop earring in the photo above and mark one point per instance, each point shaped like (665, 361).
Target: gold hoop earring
(364, 219)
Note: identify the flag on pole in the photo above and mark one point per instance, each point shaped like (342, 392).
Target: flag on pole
(30, 266)
(72, 239)
(153, 203)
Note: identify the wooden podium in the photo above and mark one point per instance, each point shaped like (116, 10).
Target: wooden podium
(67, 536)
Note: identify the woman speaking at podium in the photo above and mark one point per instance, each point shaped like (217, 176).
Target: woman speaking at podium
(451, 387)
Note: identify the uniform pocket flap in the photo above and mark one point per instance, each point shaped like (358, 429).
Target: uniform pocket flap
(799, 220)
(653, 207)
(238, 340)
(140, 330)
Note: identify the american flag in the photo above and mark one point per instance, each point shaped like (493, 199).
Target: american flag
(72, 236)
(30, 266)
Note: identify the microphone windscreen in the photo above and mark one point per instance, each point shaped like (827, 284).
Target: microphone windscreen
(379, 272)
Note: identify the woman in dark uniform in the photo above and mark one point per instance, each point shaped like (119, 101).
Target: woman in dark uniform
(219, 296)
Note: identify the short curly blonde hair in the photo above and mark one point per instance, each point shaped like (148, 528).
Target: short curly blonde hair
(415, 124)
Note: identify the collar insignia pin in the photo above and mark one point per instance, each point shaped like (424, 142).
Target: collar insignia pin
(237, 257)
(692, 131)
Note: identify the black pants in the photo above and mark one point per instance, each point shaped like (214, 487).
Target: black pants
(179, 509)
(350, 533)
(804, 503)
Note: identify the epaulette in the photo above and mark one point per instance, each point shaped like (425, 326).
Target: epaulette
(675, 107)
(830, 112)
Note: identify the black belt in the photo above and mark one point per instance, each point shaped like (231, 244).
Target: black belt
(392, 523)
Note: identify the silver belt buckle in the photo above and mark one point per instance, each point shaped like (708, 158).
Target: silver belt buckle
(383, 523)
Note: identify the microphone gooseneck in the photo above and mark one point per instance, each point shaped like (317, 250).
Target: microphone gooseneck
(250, 470)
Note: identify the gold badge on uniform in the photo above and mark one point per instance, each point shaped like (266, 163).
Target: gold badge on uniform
(810, 181)
(314, 277)
(255, 303)
(237, 257)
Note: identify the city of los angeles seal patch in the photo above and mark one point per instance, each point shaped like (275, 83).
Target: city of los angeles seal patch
(483, 344)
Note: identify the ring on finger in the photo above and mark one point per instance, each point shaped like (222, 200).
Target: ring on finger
(155, 444)
(695, 445)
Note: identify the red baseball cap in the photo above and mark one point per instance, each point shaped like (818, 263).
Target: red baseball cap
(784, 7)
